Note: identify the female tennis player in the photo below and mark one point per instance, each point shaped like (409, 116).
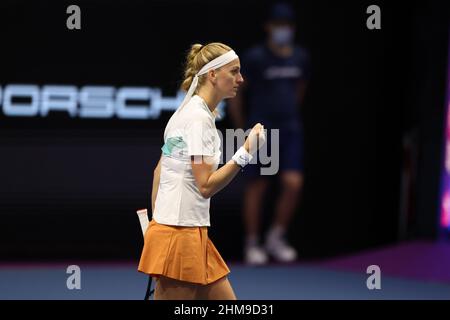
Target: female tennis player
(177, 252)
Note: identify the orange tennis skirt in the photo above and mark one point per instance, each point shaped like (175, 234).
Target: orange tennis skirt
(182, 253)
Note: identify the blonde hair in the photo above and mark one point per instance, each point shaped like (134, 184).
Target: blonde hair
(197, 57)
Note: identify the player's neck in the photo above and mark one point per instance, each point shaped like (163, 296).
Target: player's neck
(211, 98)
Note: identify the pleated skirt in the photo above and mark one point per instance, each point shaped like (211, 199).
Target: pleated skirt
(181, 253)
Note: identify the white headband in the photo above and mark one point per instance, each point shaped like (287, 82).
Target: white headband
(213, 64)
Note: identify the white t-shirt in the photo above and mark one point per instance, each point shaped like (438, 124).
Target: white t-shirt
(190, 131)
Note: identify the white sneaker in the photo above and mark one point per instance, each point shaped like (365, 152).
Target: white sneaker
(281, 250)
(255, 255)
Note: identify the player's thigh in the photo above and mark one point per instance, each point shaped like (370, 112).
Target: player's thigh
(172, 289)
(218, 290)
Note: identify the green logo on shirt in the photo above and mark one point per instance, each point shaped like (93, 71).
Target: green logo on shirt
(173, 142)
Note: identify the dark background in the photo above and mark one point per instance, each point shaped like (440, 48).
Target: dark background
(69, 187)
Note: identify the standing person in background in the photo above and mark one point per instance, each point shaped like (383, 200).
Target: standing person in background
(276, 75)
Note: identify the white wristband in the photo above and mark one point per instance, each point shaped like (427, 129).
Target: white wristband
(242, 157)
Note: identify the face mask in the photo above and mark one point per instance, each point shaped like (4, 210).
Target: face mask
(282, 35)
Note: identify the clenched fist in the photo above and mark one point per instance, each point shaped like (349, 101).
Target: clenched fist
(255, 139)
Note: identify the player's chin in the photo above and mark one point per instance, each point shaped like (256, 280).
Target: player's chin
(232, 94)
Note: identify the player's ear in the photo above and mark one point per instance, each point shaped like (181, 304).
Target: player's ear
(212, 75)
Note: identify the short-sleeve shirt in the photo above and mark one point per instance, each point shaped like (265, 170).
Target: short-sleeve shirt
(272, 83)
(190, 131)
